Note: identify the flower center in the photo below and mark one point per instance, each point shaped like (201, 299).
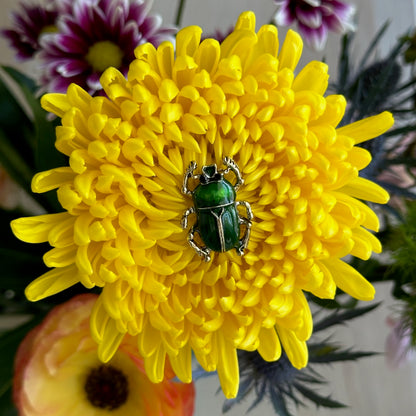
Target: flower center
(106, 387)
(48, 29)
(104, 54)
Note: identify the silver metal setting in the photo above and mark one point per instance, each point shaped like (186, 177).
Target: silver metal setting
(204, 251)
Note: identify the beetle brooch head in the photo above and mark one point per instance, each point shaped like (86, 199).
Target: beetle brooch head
(217, 218)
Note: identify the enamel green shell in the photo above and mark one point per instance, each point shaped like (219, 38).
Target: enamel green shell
(217, 215)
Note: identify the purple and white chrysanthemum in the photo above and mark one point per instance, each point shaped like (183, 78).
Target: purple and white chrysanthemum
(97, 34)
(28, 25)
(315, 18)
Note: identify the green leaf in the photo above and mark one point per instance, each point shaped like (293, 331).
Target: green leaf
(42, 154)
(21, 79)
(14, 163)
(260, 395)
(374, 43)
(22, 173)
(397, 190)
(344, 64)
(347, 302)
(400, 130)
(15, 122)
(406, 85)
(17, 136)
(279, 404)
(340, 318)
(327, 353)
(46, 155)
(317, 398)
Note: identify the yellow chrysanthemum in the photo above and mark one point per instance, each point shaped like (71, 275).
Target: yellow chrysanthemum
(121, 229)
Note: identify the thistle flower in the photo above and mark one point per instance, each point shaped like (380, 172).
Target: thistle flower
(57, 373)
(121, 193)
(371, 85)
(29, 24)
(95, 35)
(282, 384)
(315, 18)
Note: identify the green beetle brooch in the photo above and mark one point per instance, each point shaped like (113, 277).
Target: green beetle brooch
(217, 218)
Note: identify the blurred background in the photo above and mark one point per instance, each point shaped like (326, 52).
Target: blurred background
(369, 387)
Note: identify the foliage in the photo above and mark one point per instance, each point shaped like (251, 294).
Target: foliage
(285, 385)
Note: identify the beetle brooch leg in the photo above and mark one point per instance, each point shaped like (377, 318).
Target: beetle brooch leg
(185, 216)
(189, 174)
(231, 165)
(247, 222)
(204, 252)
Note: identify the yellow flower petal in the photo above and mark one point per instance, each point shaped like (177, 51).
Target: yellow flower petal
(187, 40)
(269, 344)
(155, 365)
(128, 155)
(55, 103)
(268, 42)
(365, 244)
(246, 21)
(111, 340)
(182, 364)
(291, 51)
(350, 280)
(52, 282)
(368, 128)
(165, 58)
(313, 77)
(296, 350)
(362, 188)
(207, 57)
(359, 157)
(37, 229)
(238, 43)
(52, 179)
(227, 367)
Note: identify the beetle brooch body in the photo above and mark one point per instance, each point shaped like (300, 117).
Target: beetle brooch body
(217, 218)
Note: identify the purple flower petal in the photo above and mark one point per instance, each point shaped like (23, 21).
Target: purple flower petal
(283, 17)
(28, 26)
(343, 10)
(315, 18)
(312, 3)
(315, 37)
(398, 348)
(71, 67)
(93, 82)
(125, 23)
(309, 17)
(335, 24)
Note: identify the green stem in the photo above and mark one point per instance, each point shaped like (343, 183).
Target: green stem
(180, 12)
